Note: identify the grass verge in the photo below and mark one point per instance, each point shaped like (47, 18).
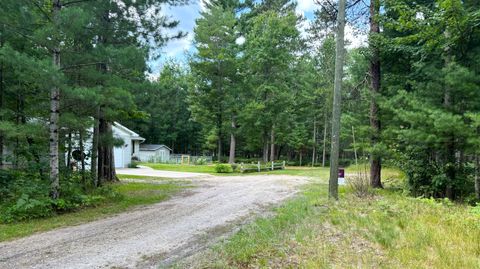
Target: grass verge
(131, 195)
(389, 175)
(389, 230)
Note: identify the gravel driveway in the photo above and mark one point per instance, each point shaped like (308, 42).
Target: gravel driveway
(147, 171)
(155, 235)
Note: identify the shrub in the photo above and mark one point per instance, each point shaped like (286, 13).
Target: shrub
(27, 207)
(133, 164)
(223, 168)
(201, 161)
(360, 184)
(25, 196)
(235, 167)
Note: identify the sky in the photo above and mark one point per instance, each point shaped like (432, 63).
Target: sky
(186, 15)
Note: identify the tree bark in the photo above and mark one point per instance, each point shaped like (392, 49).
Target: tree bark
(95, 144)
(272, 144)
(265, 150)
(354, 146)
(82, 156)
(337, 99)
(2, 82)
(106, 165)
(220, 134)
(54, 116)
(314, 151)
(69, 151)
(375, 73)
(477, 176)
(231, 158)
(324, 153)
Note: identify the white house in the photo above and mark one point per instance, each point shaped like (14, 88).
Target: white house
(131, 145)
(154, 153)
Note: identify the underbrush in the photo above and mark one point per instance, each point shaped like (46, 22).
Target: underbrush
(388, 230)
(25, 196)
(116, 198)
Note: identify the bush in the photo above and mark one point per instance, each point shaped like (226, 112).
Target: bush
(223, 168)
(201, 161)
(235, 167)
(360, 184)
(133, 164)
(25, 196)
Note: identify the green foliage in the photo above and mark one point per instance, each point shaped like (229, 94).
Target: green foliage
(27, 196)
(201, 161)
(223, 168)
(133, 164)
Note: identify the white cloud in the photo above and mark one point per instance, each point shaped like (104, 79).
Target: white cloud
(355, 37)
(305, 6)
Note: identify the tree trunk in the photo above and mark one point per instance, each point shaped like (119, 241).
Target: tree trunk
(272, 144)
(1, 102)
(301, 155)
(54, 116)
(477, 176)
(82, 156)
(337, 99)
(95, 144)
(220, 134)
(265, 147)
(69, 151)
(324, 153)
(231, 158)
(314, 151)
(375, 160)
(106, 165)
(354, 146)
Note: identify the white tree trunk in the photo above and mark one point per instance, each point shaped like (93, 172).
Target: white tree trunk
(54, 116)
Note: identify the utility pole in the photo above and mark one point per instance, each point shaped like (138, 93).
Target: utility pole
(337, 99)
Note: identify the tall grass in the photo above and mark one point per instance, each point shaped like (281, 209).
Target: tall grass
(387, 231)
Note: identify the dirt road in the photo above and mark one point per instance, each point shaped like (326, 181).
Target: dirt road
(155, 235)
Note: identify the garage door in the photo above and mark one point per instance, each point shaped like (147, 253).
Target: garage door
(118, 156)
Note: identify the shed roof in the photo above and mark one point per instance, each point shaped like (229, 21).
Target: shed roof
(152, 147)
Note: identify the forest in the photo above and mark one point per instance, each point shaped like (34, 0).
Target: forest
(258, 86)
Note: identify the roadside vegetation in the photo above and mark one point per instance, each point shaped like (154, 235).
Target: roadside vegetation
(117, 198)
(387, 230)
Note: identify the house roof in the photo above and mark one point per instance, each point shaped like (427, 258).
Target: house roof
(132, 134)
(152, 147)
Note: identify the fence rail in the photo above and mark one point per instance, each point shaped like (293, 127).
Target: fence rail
(258, 167)
(184, 159)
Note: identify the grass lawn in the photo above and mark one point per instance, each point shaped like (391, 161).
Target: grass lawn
(316, 172)
(133, 194)
(389, 230)
(209, 169)
(142, 177)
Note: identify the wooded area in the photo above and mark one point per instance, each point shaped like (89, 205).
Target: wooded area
(258, 86)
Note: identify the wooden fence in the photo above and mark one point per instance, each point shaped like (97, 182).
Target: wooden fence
(258, 167)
